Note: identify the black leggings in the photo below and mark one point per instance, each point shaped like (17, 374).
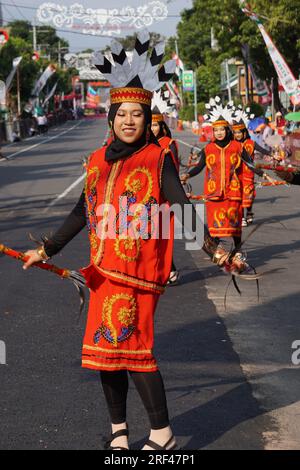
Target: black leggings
(150, 388)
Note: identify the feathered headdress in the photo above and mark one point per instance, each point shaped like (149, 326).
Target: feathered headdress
(241, 118)
(135, 81)
(217, 114)
(159, 105)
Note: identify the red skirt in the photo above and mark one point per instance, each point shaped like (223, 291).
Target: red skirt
(224, 218)
(120, 326)
(249, 192)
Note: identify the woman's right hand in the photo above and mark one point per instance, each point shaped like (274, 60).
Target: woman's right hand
(184, 178)
(34, 257)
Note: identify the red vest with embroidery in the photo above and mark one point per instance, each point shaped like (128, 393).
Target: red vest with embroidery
(249, 146)
(126, 246)
(165, 143)
(223, 176)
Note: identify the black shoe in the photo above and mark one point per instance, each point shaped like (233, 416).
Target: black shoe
(156, 446)
(121, 432)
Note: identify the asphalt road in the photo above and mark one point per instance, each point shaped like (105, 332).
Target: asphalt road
(229, 378)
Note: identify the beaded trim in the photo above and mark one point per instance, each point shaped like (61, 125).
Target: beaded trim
(238, 127)
(220, 124)
(130, 95)
(157, 117)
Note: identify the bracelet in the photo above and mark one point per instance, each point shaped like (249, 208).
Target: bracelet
(42, 253)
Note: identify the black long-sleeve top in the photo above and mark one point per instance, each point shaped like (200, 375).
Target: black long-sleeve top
(173, 192)
(296, 179)
(245, 157)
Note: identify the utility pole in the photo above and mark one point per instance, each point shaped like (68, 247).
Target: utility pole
(1, 15)
(195, 98)
(180, 78)
(59, 55)
(228, 80)
(18, 91)
(34, 35)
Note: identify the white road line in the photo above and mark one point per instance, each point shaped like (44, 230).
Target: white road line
(72, 186)
(66, 191)
(188, 145)
(43, 141)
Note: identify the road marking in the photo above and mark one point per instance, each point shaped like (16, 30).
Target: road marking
(188, 145)
(72, 186)
(43, 141)
(66, 191)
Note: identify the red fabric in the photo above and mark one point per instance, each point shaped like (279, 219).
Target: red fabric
(144, 263)
(223, 176)
(249, 192)
(224, 218)
(119, 330)
(223, 189)
(165, 143)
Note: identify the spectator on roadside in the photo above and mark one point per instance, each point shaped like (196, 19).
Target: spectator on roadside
(42, 124)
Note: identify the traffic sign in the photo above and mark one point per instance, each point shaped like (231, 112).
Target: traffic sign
(188, 80)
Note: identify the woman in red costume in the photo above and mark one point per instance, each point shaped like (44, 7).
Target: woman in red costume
(241, 134)
(223, 185)
(163, 134)
(127, 273)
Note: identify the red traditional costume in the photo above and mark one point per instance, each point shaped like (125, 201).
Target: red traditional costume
(159, 107)
(249, 192)
(223, 189)
(130, 259)
(240, 123)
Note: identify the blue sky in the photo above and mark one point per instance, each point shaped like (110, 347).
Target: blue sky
(26, 9)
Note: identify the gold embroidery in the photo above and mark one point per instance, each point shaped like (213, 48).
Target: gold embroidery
(211, 186)
(210, 160)
(135, 185)
(128, 244)
(114, 366)
(125, 315)
(134, 281)
(107, 200)
(116, 351)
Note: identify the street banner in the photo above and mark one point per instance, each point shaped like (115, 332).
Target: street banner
(2, 94)
(41, 82)
(39, 85)
(49, 96)
(16, 63)
(261, 87)
(284, 72)
(179, 65)
(174, 92)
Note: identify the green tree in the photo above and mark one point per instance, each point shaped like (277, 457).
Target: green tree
(233, 30)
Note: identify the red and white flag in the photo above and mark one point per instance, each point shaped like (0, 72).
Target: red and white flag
(285, 75)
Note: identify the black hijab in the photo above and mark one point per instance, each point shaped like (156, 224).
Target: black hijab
(227, 139)
(246, 134)
(163, 130)
(117, 148)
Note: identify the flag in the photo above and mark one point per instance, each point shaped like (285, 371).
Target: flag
(179, 65)
(16, 63)
(49, 96)
(38, 86)
(261, 87)
(286, 77)
(41, 82)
